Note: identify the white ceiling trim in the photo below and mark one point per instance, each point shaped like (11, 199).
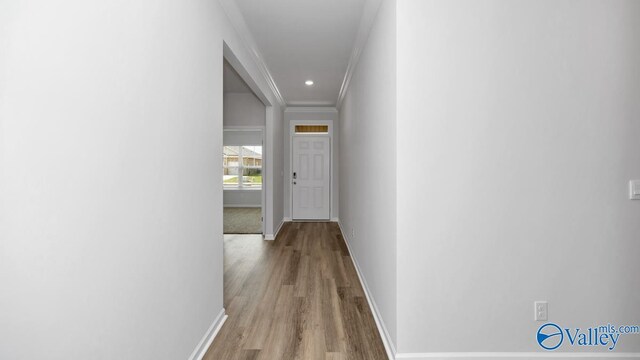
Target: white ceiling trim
(366, 22)
(310, 109)
(237, 21)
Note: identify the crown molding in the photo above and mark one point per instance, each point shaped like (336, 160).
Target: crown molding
(303, 103)
(240, 26)
(366, 22)
(310, 109)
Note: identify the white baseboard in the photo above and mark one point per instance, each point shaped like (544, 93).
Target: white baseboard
(517, 355)
(335, 219)
(242, 205)
(382, 329)
(273, 236)
(287, 219)
(207, 339)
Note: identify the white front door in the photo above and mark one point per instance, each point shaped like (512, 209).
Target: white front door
(311, 177)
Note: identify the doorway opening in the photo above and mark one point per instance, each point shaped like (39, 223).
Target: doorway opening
(244, 118)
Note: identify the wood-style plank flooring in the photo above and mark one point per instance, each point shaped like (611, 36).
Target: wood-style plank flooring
(297, 297)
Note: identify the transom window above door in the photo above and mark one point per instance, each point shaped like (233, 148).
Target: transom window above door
(312, 129)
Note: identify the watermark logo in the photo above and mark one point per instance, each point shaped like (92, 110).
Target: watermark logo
(550, 336)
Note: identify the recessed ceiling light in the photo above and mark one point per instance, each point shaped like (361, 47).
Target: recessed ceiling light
(308, 82)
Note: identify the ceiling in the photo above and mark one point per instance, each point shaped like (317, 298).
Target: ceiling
(232, 82)
(305, 40)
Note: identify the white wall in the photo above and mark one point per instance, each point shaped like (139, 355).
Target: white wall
(242, 198)
(526, 115)
(242, 136)
(111, 129)
(367, 174)
(243, 109)
(313, 114)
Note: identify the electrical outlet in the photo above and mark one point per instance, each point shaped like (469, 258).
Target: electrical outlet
(634, 189)
(541, 310)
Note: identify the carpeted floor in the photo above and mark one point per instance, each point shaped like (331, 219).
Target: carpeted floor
(242, 220)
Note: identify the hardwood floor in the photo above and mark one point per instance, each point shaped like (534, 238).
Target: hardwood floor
(297, 297)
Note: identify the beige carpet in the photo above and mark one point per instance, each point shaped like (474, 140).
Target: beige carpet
(242, 220)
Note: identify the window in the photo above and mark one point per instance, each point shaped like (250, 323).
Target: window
(312, 129)
(242, 167)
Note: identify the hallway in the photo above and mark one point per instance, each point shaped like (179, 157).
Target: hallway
(427, 179)
(298, 297)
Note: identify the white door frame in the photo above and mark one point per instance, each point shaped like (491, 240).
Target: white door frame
(264, 184)
(289, 177)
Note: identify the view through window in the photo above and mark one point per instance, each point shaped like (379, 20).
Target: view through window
(242, 167)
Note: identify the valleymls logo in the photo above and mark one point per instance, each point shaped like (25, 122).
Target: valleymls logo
(551, 336)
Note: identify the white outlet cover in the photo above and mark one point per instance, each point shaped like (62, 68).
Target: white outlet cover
(634, 189)
(541, 309)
